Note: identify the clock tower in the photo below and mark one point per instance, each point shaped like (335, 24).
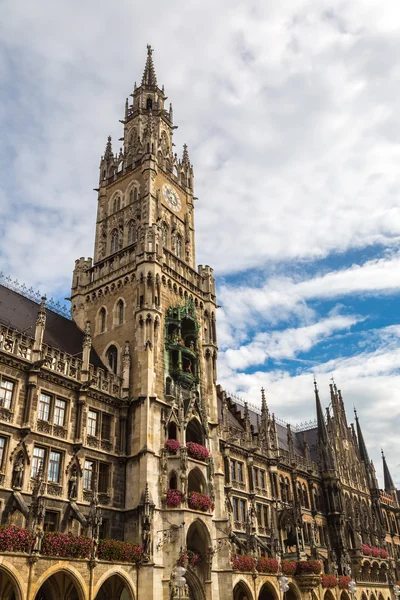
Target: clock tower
(151, 315)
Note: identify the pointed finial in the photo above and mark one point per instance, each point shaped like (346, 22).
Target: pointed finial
(185, 156)
(315, 385)
(43, 303)
(355, 414)
(149, 75)
(108, 154)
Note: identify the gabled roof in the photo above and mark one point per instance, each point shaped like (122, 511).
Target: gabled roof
(19, 312)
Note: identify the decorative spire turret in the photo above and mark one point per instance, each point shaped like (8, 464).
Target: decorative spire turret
(108, 154)
(185, 157)
(149, 78)
(387, 478)
(361, 444)
(323, 440)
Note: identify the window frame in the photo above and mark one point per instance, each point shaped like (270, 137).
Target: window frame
(89, 423)
(56, 523)
(37, 461)
(3, 450)
(8, 394)
(51, 462)
(92, 475)
(56, 412)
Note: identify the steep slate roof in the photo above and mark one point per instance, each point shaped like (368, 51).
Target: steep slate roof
(20, 313)
(235, 416)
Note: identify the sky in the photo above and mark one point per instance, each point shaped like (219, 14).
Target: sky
(290, 113)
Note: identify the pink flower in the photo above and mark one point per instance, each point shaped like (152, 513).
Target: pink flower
(329, 581)
(197, 451)
(245, 564)
(344, 581)
(311, 567)
(174, 498)
(172, 446)
(267, 565)
(289, 567)
(198, 501)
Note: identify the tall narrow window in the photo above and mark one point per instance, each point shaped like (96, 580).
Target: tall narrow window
(50, 521)
(88, 475)
(92, 422)
(240, 472)
(131, 232)
(117, 203)
(59, 412)
(235, 503)
(120, 312)
(106, 427)
(114, 241)
(233, 470)
(2, 447)
(102, 320)
(112, 358)
(243, 515)
(178, 246)
(164, 235)
(6, 391)
(37, 460)
(44, 407)
(149, 103)
(54, 467)
(103, 477)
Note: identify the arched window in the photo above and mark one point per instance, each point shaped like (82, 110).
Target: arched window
(102, 320)
(306, 501)
(133, 195)
(120, 312)
(173, 482)
(114, 241)
(117, 203)
(164, 235)
(172, 432)
(282, 489)
(149, 103)
(178, 246)
(112, 358)
(131, 232)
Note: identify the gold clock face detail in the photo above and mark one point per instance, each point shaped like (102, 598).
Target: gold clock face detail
(171, 197)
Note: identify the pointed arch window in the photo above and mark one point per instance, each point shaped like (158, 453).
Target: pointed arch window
(120, 312)
(117, 203)
(149, 103)
(102, 320)
(114, 241)
(131, 232)
(178, 246)
(133, 195)
(164, 235)
(112, 359)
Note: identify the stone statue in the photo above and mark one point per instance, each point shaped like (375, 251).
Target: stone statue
(37, 543)
(18, 472)
(73, 484)
(146, 537)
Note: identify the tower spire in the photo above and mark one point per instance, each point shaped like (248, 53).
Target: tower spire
(149, 78)
(387, 478)
(323, 440)
(361, 444)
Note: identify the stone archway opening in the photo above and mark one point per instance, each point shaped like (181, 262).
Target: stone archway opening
(8, 589)
(267, 592)
(242, 592)
(59, 586)
(114, 588)
(198, 542)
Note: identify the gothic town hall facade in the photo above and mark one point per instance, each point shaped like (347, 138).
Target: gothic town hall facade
(121, 459)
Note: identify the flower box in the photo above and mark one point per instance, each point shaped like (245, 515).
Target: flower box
(189, 558)
(289, 567)
(308, 581)
(118, 551)
(308, 567)
(244, 564)
(375, 552)
(15, 539)
(172, 446)
(66, 545)
(267, 565)
(198, 501)
(329, 581)
(383, 553)
(344, 581)
(174, 498)
(197, 451)
(366, 549)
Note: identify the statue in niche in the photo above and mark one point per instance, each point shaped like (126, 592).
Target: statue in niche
(18, 472)
(73, 483)
(146, 537)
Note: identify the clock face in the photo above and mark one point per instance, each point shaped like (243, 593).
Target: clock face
(171, 197)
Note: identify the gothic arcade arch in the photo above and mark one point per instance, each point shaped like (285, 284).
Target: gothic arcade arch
(114, 586)
(268, 592)
(60, 583)
(196, 588)
(345, 596)
(10, 588)
(328, 595)
(241, 591)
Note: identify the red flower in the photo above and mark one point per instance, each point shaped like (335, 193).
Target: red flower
(118, 551)
(172, 446)
(245, 564)
(267, 565)
(329, 581)
(310, 567)
(344, 581)
(202, 502)
(289, 567)
(174, 498)
(197, 451)
(383, 553)
(366, 549)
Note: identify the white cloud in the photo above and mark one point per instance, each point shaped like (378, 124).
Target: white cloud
(284, 344)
